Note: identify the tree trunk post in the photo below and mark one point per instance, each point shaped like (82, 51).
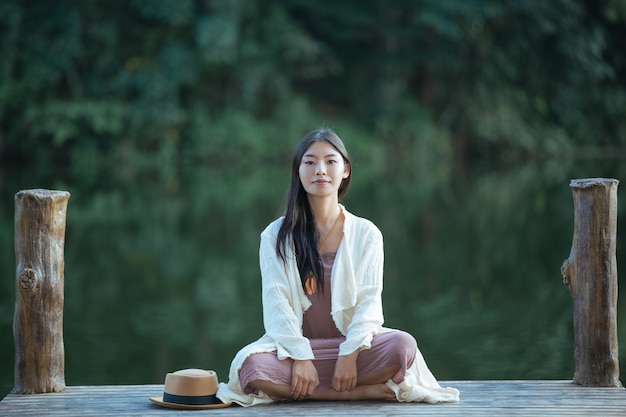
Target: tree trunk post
(590, 275)
(38, 319)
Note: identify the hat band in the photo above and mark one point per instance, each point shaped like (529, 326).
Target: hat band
(189, 399)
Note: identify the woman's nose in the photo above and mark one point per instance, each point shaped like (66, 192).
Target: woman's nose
(320, 168)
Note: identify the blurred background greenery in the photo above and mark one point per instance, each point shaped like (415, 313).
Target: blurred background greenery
(172, 122)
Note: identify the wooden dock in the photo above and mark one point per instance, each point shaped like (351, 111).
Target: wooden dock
(478, 398)
(596, 361)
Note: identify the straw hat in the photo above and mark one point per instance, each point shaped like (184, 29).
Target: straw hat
(190, 389)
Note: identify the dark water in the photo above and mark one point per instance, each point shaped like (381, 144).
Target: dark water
(161, 268)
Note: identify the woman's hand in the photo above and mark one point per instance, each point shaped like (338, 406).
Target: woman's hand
(345, 376)
(304, 379)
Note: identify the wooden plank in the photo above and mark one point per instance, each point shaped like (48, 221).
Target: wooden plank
(478, 398)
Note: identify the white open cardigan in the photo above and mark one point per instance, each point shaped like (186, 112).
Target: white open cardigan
(356, 308)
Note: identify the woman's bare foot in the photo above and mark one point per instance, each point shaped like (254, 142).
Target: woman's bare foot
(360, 393)
(277, 398)
(373, 392)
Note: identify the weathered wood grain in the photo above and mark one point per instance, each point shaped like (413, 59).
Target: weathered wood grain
(478, 398)
(590, 275)
(38, 320)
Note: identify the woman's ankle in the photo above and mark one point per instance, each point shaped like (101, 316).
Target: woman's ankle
(360, 393)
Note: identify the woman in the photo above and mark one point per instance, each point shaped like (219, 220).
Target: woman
(322, 270)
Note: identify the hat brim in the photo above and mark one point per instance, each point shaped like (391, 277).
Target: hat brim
(159, 401)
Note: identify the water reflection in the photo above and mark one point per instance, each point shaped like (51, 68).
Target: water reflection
(161, 271)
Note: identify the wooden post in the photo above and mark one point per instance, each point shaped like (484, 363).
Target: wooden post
(590, 275)
(38, 320)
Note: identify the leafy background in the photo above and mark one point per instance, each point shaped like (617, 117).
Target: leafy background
(171, 123)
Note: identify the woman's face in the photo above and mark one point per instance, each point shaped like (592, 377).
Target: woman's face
(322, 169)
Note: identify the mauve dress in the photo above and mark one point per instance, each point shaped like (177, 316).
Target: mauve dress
(391, 348)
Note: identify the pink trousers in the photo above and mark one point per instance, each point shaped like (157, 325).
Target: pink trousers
(391, 348)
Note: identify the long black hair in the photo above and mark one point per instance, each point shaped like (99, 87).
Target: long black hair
(298, 226)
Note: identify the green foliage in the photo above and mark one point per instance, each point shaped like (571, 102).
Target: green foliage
(172, 125)
(530, 77)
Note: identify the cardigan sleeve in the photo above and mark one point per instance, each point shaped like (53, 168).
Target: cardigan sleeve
(282, 308)
(367, 319)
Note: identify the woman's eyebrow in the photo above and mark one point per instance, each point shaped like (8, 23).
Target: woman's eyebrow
(312, 155)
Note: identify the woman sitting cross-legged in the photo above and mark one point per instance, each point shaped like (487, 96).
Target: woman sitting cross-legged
(322, 280)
